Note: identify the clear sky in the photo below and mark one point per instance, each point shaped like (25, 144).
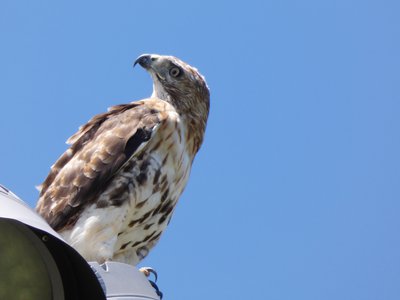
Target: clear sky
(295, 193)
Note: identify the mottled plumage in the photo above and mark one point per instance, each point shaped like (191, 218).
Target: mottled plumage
(113, 192)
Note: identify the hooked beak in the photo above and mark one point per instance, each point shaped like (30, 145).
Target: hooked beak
(145, 60)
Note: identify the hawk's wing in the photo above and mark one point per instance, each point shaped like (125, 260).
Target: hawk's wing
(98, 150)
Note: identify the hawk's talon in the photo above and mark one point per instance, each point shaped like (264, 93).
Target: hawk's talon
(147, 271)
(155, 287)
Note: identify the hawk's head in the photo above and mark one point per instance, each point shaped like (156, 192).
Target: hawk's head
(178, 83)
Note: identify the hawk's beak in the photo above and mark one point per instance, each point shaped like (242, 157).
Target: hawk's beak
(144, 60)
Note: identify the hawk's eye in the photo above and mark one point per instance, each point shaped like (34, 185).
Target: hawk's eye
(175, 72)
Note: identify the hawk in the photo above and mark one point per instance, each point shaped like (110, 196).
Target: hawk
(113, 192)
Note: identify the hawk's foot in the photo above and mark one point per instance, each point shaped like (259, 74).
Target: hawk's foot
(147, 271)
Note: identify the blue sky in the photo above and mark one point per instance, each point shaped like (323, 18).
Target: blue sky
(295, 193)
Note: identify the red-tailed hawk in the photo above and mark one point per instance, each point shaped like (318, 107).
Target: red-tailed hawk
(113, 192)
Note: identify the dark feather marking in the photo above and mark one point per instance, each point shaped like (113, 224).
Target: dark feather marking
(145, 165)
(133, 222)
(141, 220)
(157, 176)
(149, 236)
(180, 136)
(169, 210)
(166, 206)
(102, 203)
(116, 198)
(141, 178)
(165, 159)
(145, 216)
(156, 188)
(164, 182)
(118, 201)
(157, 210)
(165, 195)
(166, 214)
(155, 237)
(136, 244)
(156, 181)
(147, 226)
(164, 179)
(162, 219)
(124, 246)
(140, 204)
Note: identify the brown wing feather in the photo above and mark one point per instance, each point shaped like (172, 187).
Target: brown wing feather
(98, 150)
